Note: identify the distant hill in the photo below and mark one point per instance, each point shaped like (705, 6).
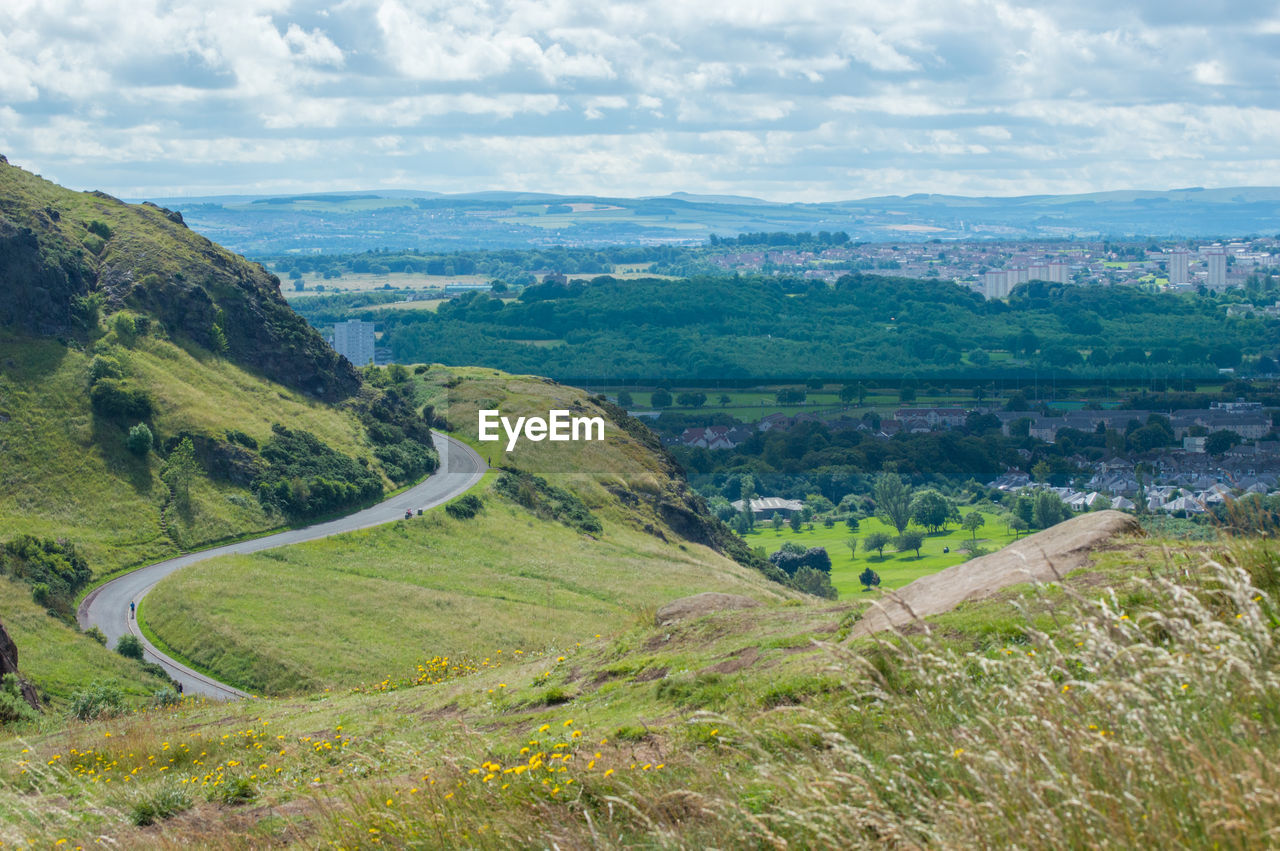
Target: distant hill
(399, 219)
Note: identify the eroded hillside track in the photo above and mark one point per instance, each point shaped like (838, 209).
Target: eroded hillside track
(108, 606)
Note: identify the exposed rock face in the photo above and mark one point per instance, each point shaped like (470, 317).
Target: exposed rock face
(1046, 556)
(9, 665)
(701, 604)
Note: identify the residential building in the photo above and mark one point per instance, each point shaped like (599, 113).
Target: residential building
(353, 340)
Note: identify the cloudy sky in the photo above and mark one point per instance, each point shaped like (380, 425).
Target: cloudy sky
(781, 99)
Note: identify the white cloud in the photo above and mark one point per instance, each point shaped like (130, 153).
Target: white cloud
(805, 99)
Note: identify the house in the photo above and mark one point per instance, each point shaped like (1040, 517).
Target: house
(765, 507)
(778, 421)
(932, 417)
(712, 437)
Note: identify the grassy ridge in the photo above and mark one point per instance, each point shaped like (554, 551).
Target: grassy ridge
(1065, 715)
(69, 474)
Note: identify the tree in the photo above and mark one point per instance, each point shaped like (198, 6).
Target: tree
(691, 400)
(852, 543)
(973, 521)
(876, 541)
(724, 400)
(852, 522)
(1048, 509)
(932, 510)
(869, 579)
(624, 399)
(660, 399)
(1017, 524)
(1220, 441)
(776, 521)
(1041, 471)
(179, 468)
(893, 501)
(795, 520)
(815, 582)
(139, 440)
(912, 539)
(1102, 503)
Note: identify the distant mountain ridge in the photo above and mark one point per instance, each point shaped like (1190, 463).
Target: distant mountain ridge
(405, 219)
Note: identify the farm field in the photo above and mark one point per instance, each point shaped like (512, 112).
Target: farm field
(895, 569)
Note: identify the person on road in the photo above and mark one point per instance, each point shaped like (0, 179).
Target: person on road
(132, 607)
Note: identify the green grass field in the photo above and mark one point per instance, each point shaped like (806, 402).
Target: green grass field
(895, 569)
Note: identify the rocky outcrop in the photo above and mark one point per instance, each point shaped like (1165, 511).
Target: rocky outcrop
(9, 665)
(1046, 556)
(64, 254)
(701, 604)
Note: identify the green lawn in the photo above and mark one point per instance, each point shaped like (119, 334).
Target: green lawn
(895, 569)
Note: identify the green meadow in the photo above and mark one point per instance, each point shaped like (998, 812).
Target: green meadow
(895, 569)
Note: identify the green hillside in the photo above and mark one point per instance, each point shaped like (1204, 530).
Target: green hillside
(612, 532)
(62, 661)
(157, 395)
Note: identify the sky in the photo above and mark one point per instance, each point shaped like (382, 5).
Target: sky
(788, 100)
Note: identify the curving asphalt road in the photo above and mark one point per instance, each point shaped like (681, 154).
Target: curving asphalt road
(108, 606)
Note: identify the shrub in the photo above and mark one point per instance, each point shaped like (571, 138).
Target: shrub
(140, 440)
(465, 507)
(55, 570)
(165, 697)
(306, 478)
(869, 579)
(97, 635)
(129, 647)
(113, 398)
(100, 700)
(547, 501)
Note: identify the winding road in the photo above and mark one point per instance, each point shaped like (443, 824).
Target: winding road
(107, 607)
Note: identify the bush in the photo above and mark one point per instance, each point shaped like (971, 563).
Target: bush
(140, 440)
(306, 478)
(100, 700)
(790, 559)
(869, 579)
(547, 501)
(465, 507)
(163, 698)
(129, 647)
(55, 570)
(113, 398)
(97, 635)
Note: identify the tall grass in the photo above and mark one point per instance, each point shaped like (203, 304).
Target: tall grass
(1125, 727)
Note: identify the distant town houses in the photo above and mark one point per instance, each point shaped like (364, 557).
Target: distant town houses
(715, 437)
(1249, 423)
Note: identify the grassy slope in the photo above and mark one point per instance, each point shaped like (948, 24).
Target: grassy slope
(380, 601)
(746, 728)
(60, 660)
(69, 475)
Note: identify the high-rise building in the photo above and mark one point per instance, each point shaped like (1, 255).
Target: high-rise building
(353, 340)
(1058, 273)
(1179, 260)
(995, 285)
(1217, 260)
